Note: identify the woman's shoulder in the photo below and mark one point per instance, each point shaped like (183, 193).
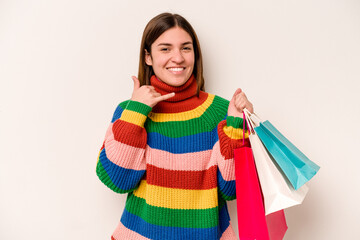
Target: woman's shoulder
(218, 101)
(216, 109)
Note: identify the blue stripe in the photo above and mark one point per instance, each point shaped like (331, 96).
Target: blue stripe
(125, 179)
(226, 187)
(152, 231)
(224, 219)
(193, 143)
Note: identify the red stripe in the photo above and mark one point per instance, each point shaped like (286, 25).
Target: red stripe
(183, 92)
(199, 180)
(182, 106)
(129, 134)
(227, 145)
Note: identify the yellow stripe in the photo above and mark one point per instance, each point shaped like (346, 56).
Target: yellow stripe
(98, 159)
(183, 116)
(177, 198)
(133, 117)
(235, 133)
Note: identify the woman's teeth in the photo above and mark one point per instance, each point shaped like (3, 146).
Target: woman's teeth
(176, 69)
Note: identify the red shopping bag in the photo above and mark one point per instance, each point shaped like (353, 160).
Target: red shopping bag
(250, 208)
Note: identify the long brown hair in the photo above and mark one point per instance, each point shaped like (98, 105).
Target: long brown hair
(157, 26)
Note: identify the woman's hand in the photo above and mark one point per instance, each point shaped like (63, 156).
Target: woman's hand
(146, 94)
(238, 102)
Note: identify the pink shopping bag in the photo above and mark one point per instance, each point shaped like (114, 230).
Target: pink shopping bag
(250, 208)
(276, 224)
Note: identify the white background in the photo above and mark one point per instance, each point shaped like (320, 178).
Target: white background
(65, 65)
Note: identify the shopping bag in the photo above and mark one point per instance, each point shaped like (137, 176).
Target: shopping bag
(277, 192)
(276, 224)
(250, 209)
(294, 164)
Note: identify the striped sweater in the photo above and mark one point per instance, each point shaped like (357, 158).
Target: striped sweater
(175, 161)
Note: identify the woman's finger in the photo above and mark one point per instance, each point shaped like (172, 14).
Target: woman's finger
(156, 94)
(235, 96)
(164, 97)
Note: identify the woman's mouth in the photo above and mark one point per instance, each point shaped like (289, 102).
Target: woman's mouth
(176, 70)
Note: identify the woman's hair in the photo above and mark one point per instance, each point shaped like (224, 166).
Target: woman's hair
(157, 26)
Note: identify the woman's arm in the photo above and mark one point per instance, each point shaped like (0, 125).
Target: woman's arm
(230, 135)
(121, 162)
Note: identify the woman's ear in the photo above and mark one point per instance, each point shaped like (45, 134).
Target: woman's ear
(148, 59)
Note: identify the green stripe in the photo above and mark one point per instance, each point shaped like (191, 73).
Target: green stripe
(212, 116)
(186, 218)
(226, 197)
(104, 177)
(124, 104)
(235, 122)
(138, 107)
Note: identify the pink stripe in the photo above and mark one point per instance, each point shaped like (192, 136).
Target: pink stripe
(123, 155)
(123, 233)
(195, 161)
(226, 167)
(229, 234)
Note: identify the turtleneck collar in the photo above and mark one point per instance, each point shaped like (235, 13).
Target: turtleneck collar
(183, 92)
(185, 98)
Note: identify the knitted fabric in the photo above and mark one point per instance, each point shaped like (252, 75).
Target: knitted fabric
(176, 163)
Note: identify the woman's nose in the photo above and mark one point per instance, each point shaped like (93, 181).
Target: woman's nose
(177, 56)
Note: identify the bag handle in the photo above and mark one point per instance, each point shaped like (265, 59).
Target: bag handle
(250, 123)
(244, 120)
(255, 118)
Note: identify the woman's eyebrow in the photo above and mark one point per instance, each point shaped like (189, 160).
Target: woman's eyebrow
(168, 44)
(186, 43)
(164, 44)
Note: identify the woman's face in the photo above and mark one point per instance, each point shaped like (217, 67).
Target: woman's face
(172, 57)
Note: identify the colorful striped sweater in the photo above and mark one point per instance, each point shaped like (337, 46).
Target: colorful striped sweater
(175, 161)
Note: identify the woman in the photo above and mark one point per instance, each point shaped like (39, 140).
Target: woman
(170, 147)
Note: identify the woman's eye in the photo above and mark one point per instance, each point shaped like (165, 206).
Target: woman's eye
(164, 49)
(187, 48)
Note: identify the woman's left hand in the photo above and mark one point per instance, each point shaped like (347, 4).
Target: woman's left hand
(238, 102)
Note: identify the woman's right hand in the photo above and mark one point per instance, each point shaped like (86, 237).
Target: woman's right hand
(147, 94)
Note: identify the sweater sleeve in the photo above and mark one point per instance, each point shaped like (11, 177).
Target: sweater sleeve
(230, 136)
(121, 163)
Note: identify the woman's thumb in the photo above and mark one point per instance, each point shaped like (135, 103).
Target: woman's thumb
(235, 94)
(136, 82)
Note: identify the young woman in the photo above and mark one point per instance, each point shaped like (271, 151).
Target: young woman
(170, 146)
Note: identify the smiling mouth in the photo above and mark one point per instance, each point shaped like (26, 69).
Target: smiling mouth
(176, 69)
